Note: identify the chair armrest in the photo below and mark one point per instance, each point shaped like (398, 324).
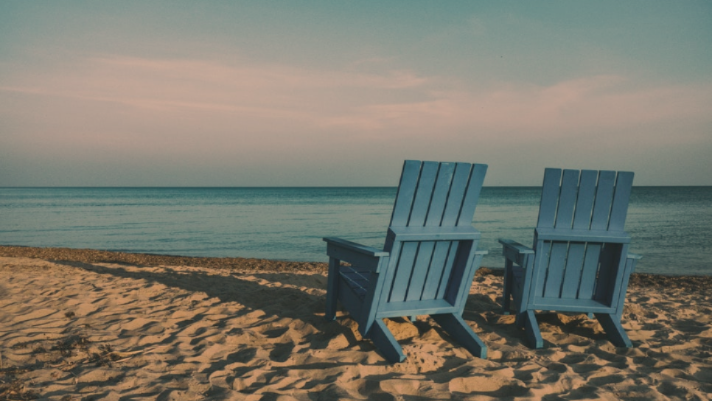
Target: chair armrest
(356, 254)
(354, 247)
(460, 233)
(634, 256)
(515, 251)
(567, 234)
(631, 260)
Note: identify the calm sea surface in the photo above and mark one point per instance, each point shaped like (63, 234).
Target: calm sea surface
(670, 226)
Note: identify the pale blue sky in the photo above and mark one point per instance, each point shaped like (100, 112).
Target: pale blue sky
(337, 93)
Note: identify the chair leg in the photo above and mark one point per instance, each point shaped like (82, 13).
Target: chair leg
(462, 333)
(507, 293)
(531, 328)
(332, 289)
(521, 319)
(614, 331)
(385, 342)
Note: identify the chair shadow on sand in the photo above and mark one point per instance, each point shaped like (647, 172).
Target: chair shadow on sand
(275, 294)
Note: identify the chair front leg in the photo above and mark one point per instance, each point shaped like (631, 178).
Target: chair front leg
(508, 282)
(614, 331)
(385, 342)
(461, 332)
(531, 328)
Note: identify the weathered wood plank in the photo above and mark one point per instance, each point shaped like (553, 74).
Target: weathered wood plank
(365, 261)
(547, 234)
(472, 195)
(470, 266)
(406, 193)
(606, 285)
(423, 194)
(456, 195)
(549, 198)
(614, 331)
(447, 270)
(619, 210)
(555, 271)
(602, 204)
(435, 233)
(589, 271)
(584, 203)
(572, 274)
(538, 274)
(458, 273)
(420, 271)
(356, 280)
(563, 305)
(398, 309)
(440, 192)
(403, 272)
(567, 199)
(435, 272)
(515, 251)
(462, 333)
(332, 289)
(354, 247)
(386, 343)
(350, 299)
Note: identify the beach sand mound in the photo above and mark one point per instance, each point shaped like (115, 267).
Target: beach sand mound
(78, 330)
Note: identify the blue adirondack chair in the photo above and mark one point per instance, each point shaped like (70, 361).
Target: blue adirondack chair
(427, 264)
(580, 261)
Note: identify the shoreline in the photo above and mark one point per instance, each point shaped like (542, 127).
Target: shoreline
(693, 282)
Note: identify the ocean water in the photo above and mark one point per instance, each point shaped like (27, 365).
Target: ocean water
(671, 226)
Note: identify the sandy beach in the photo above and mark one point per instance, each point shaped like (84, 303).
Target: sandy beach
(82, 324)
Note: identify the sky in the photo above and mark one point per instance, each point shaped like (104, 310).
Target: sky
(339, 93)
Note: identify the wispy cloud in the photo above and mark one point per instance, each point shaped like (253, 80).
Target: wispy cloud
(599, 102)
(363, 101)
(250, 112)
(211, 86)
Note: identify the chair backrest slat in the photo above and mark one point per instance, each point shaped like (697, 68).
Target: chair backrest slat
(549, 198)
(572, 275)
(619, 210)
(403, 270)
(447, 270)
(440, 192)
(602, 204)
(420, 271)
(589, 271)
(456, 195)
(472, 195)
(555, 274)
(423, 194)
(436, 270)
(584, 204)
(406, 193)
(567, 199)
